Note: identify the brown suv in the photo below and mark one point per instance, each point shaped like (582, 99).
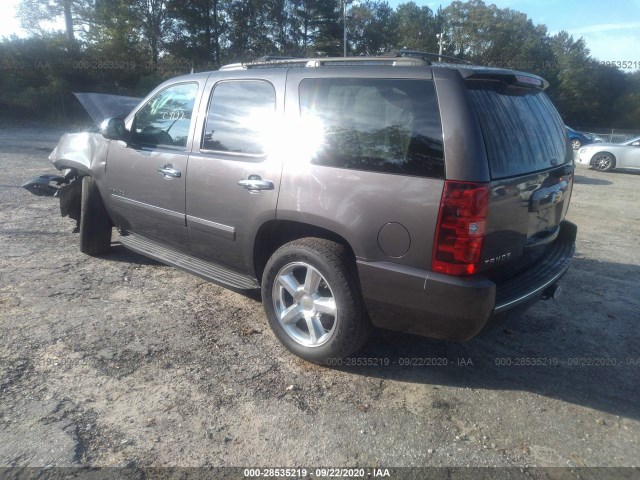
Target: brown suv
(400, 192)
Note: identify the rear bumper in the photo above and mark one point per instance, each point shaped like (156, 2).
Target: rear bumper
(457, 308)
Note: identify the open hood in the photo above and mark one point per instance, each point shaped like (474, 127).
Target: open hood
(101, 105)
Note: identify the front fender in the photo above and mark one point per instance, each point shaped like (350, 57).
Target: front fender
(85, 152)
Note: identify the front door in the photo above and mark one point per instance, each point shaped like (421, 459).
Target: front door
(234, 175)
(147, 176)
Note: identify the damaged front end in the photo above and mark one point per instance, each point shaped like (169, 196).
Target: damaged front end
(76, 155)
(80, 154)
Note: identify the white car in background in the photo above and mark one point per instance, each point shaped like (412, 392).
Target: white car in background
(607, 156)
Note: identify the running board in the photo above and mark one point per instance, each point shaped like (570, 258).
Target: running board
(207, 270)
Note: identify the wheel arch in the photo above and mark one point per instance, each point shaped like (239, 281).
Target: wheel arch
(600, 152)
(275, 233)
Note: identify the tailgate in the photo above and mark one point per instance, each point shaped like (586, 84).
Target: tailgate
(525, 213)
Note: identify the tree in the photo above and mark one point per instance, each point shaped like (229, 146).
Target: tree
(584, 90)
(493, 36)
(38, 16)
(129, 46)
(417, 28)
(371, 29)
(627, 106)
(154, 24)
(319, 27)
(198, 30)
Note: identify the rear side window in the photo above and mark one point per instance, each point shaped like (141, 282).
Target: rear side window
(240, 116)
(522, 130)
(380, 125)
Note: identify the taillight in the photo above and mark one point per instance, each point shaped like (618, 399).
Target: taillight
(461, 228)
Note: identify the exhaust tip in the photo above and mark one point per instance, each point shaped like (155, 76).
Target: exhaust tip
(552, 292)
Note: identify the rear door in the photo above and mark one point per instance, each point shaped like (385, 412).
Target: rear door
(366, 159)
(530, 165)
(234, 173)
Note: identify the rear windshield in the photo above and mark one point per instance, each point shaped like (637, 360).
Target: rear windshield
(522, 130)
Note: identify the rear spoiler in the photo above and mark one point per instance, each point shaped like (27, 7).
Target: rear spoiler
(510, 77)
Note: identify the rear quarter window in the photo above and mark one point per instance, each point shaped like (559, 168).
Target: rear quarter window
(522, 130)
(379, 125)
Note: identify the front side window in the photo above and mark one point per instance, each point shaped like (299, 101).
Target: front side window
(240, 117)
(379, 125)
(165, 120)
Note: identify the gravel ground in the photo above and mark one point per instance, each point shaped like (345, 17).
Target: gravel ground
(123, 361)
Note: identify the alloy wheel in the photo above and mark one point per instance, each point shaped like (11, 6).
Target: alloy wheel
(602, 162)
(304, 304)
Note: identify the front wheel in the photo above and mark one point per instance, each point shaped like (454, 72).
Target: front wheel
(312, 299)
(575, 144)
(95, 224)
(603, 161)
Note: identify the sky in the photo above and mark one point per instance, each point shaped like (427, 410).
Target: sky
(610, 28)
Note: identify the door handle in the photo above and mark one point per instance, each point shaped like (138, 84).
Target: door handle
(169, 172)
(255, 184)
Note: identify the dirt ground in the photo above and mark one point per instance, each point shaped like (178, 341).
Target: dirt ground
(123, 361)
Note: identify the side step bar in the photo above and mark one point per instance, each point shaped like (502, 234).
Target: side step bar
(207, 270)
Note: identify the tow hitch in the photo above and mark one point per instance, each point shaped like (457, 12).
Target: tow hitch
(552, 292)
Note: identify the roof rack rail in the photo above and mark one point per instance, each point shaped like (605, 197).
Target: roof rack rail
(275, 58)
(282, 62)
(426, 56)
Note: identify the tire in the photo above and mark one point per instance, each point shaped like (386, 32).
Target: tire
(312, 285)
(95, 224)
(575, 144)
(603, 161)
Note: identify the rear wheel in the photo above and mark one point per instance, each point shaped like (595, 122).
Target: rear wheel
(95, 224)
(575, 144)
(603, 161)
(312, 298)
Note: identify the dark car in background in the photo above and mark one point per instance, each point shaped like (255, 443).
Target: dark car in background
(577, 139)
(397, 191)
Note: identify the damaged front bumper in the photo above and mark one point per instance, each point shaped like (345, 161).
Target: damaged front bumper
(45, 185)
(67, 189)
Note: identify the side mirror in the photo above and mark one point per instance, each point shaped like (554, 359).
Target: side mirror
(114, 129)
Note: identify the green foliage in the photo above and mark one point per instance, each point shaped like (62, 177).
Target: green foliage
(628, 103)
(318, 27)
(372, 28)
(417, 27)
(493, 36)
(129, 46)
